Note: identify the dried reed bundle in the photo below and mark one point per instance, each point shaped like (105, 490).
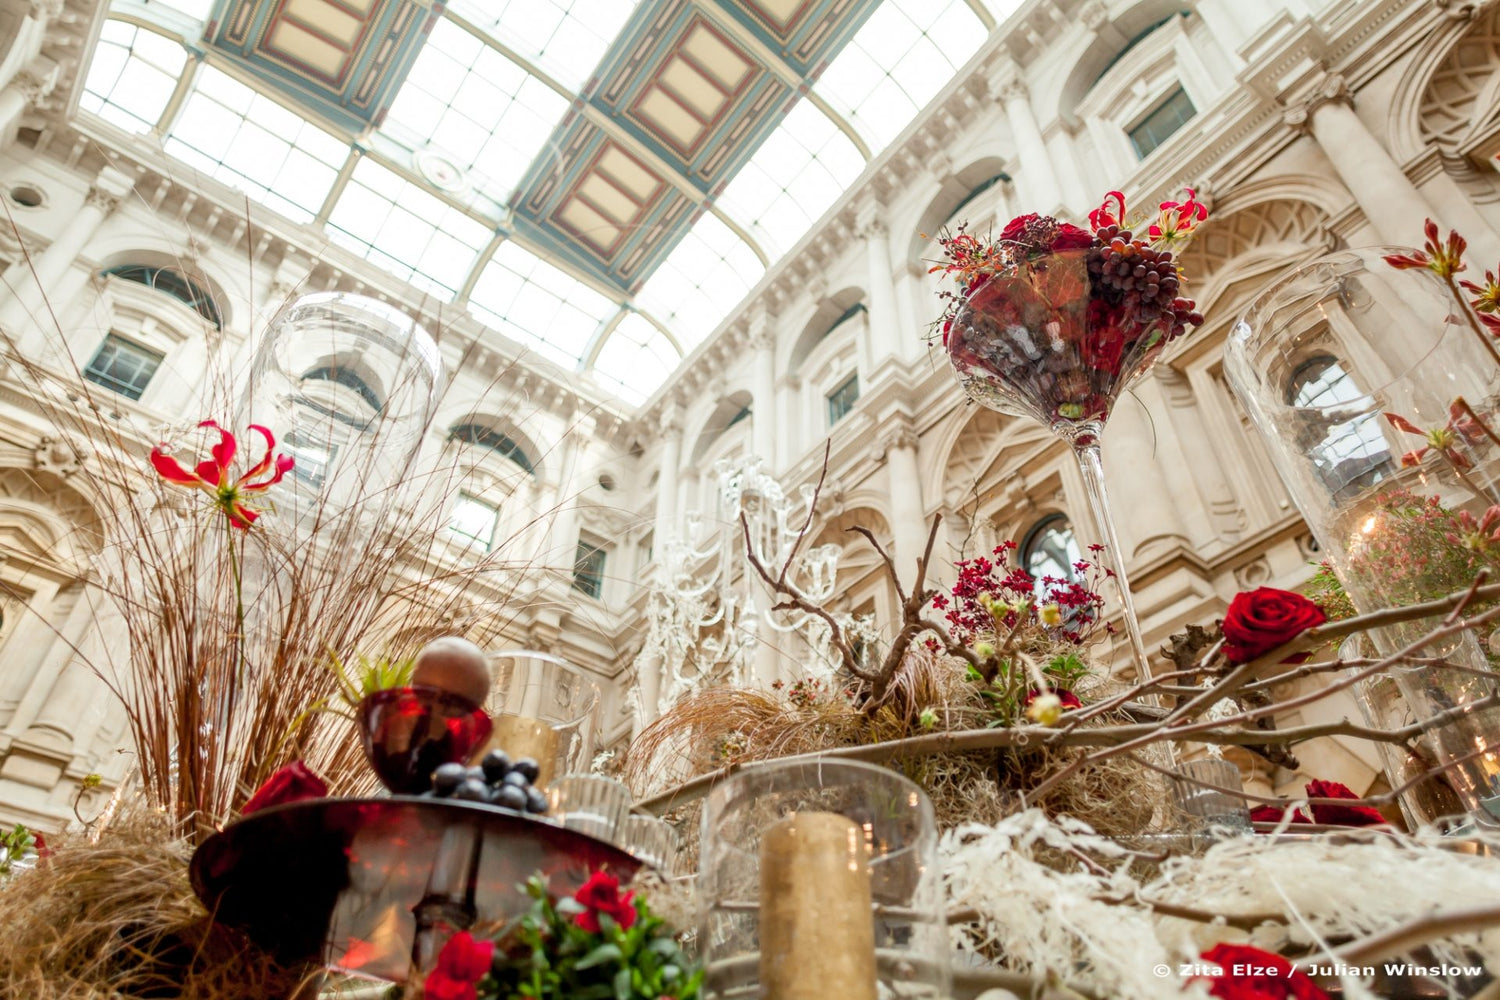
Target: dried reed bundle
(225, 675)
(119, 918)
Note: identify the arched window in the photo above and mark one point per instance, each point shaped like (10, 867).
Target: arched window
(978, 190)
(1050, 549)
(1353, 451)
(173, 283)
(487, 437)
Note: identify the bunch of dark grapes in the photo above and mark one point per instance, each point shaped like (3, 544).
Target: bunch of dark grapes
(1142, 281)
(497, 780)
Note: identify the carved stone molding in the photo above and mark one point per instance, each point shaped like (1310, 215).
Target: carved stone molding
(1332, 89)
(1093, 14)
(60, 456)
(46, 10)
(1458, 10)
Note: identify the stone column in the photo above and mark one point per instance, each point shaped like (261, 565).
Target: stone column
(884, 317)
(562, 540)
(1145, 514)
(28, 290)
(763, 412)
(26, 88)
(1186, 418)
(1387, 197)
(666, 480)
(1037, 172)
(898, 446)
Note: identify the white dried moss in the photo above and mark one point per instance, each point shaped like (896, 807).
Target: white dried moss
(1049, 923)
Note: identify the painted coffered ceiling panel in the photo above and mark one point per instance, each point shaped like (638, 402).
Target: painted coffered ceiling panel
(601, 206)
(346, 58)
(803, 33)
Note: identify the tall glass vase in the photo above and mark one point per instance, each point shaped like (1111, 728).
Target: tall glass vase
(1032, 340)
(1377, 400)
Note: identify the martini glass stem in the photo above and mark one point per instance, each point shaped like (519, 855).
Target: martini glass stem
(1091, 464)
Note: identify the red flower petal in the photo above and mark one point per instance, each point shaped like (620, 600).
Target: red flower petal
(171, 470)
(1401, 423)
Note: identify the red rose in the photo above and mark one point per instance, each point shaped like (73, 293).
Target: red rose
(292, 783)
(1248, 973)
(1273, 814)
(1016, 228)
(1340, 815)
(1264, 618)
(466, 958)
(601, 894)
(39, 844)
(1070, 237)
(441, 987)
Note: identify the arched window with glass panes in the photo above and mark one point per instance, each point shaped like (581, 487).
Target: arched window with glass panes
(1051, 550)
(1350, 451)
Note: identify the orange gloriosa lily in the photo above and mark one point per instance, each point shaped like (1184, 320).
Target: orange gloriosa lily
(212, 475)
(1177, 220)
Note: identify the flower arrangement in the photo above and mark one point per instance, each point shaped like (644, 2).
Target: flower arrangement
(1105, 318)
(1026, 634)
(598, 943)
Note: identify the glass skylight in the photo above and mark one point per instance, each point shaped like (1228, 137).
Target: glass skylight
(396, 224)
(903, 55)
(566, 38)
(798, 172)
(476, 106)
(701, 280)
(538, 305)
(250, 142)
(132, 77)
(635, 360)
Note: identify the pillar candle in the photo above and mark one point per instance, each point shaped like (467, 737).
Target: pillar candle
(817, 926)
(522, 736)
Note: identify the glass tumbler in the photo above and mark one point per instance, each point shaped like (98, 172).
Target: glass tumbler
(591, 804)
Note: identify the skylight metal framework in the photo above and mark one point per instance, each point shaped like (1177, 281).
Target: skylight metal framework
(425, 195)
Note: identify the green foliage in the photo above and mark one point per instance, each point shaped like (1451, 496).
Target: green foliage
(368, 675)
(1005, 696)
(14, 845)
(545, 955)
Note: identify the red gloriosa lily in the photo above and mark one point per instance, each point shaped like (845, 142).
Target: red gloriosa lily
(1444, 259)
(212, 475)
(1105, 215)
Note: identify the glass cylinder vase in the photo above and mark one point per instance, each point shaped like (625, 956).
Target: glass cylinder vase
(821, 873)
(545, 708)
(348, 384)
(1376, 395)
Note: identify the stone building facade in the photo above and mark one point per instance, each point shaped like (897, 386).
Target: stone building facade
(1305, 125)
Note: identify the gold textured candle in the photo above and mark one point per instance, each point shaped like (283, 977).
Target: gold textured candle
(520, 736)
(817, 927)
